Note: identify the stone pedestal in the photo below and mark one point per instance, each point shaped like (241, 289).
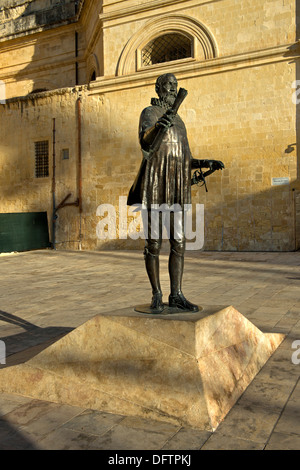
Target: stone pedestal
(187, 369)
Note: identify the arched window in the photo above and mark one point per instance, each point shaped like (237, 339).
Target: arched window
(92, 68)
(167, 39)
(166, 48)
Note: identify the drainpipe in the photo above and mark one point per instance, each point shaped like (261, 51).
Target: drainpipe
(79, 145)
(54, 216)
(76, 63)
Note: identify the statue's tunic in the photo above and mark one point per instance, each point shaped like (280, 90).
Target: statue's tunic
(166, 178)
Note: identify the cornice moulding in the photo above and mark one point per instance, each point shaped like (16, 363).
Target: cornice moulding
(148, 6)
(10, 76)
(45, 94)
(194, 68)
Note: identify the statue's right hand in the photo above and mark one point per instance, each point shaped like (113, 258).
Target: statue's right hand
(165, 121)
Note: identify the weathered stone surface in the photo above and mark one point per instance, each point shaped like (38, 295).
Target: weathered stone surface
(19, 17)
(185, 369)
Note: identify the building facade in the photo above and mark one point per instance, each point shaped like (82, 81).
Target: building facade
(75, 76)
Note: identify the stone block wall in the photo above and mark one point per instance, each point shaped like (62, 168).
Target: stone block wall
(243, 211)
(239, 109)
(38, 46)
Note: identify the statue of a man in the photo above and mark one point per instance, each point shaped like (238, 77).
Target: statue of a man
(165, 179)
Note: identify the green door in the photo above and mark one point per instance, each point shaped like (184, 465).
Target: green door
(23, 231)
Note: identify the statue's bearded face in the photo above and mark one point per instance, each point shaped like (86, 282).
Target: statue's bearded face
(167, 90)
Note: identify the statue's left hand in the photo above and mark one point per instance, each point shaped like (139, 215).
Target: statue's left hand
(216, 165)
(211, 164)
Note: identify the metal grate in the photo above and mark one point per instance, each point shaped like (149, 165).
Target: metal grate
(166, 48)
(42, 159)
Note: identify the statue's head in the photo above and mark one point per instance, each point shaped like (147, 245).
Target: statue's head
(166, 88)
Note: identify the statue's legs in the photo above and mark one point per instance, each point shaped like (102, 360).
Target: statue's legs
(176, 264)
(151, 255)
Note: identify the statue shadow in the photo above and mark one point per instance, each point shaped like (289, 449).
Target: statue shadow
(13, 439)
(23, 346)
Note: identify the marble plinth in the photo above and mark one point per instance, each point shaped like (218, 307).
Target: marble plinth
(184, 369)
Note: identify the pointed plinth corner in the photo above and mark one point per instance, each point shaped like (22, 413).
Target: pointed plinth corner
(184, 369)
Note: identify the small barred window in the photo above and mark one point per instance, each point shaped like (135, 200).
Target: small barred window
(166, 48)
(42, 159)
(65, 154)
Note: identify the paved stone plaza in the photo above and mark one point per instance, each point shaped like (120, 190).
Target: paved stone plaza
(46, 294)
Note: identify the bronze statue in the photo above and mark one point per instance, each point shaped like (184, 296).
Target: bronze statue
(164, 178)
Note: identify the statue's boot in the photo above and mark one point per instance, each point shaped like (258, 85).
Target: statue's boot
(157, 305)
(176, 297)
(152, 268)
(179, 301)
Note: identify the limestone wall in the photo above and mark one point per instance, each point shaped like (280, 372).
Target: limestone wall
(239, 109)
(249, 129)
(18, 17)
(43, 62)
(38, 46)
(237, 26)
(244, 118)
(24, 122)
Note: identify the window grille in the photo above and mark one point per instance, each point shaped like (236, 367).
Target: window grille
(166, 48)
(42, 159)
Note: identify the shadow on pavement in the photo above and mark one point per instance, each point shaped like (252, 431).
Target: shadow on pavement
(23, 346)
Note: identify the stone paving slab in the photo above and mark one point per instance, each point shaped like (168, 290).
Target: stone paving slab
(45, 294)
